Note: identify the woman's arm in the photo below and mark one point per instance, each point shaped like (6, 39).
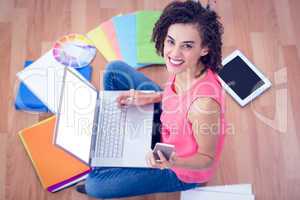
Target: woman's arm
(204, 115)
(134, 97)
(155, 97)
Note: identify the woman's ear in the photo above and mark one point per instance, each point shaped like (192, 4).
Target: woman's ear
(204, 51)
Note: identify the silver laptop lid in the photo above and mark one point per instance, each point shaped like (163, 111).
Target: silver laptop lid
(75, 118)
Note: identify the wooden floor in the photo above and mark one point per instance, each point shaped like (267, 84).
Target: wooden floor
(262, 147)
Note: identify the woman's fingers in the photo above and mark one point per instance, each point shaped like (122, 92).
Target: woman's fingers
(132, 97)
(164, 163)
(152, 162)
(124, 99)
(161, 156)
(148, 159)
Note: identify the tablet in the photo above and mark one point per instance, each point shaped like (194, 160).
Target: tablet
(241, 79)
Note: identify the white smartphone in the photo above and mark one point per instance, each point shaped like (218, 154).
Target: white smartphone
(165, 149)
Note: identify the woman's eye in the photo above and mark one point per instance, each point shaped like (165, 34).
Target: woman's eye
(187, 46)
(170, 42)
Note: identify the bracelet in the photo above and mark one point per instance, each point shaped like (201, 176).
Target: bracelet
(132, 95)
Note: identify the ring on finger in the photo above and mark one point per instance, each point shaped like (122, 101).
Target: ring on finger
(132, 95)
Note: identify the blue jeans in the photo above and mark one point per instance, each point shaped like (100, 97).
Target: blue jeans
(117, 182)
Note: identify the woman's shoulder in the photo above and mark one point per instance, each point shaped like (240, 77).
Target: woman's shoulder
(213, 77)
(207, 96)
(210, 86)
(204, 106)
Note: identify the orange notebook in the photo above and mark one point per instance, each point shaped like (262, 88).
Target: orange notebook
(56, 168)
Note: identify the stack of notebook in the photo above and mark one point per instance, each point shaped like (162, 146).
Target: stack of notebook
(222, 192)
(128, 38)
(55, 168)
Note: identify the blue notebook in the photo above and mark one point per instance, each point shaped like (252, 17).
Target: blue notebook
(125, 26)
(26, 100)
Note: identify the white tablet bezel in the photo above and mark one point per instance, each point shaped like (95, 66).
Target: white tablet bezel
(267, 83)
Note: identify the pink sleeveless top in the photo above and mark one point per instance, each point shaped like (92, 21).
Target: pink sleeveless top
(177, 129)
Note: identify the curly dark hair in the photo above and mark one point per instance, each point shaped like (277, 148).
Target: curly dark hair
(208, 24)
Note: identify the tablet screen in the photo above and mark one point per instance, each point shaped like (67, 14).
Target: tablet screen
(240, 77)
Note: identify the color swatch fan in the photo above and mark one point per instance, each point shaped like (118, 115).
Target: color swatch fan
(128, 38)
(74, 50)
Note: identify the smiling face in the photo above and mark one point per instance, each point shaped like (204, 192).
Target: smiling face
(182, 48)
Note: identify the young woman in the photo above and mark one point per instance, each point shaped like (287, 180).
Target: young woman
(188, 36)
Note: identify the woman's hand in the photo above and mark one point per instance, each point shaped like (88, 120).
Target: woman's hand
(133, 97)
(162, 163)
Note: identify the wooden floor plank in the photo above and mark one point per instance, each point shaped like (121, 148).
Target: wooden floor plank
(3, 153)
(78, 16)
(5, 46)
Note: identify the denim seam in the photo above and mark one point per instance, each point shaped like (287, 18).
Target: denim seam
(112, 81)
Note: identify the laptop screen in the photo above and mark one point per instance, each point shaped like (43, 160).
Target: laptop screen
(240, 77)
(76, 115)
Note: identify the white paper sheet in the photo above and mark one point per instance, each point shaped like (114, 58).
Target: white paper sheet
(44, 78)
(226, 192)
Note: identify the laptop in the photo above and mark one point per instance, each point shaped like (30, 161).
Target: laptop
(242, 79)
(91, 127)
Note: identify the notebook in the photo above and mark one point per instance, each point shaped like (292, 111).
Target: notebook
(146, 52)
(125, 27)
(106, 134)
(26, 100)
(242, 79)
(221, 192)
(55, 168)
(110, 32)
(102, 43)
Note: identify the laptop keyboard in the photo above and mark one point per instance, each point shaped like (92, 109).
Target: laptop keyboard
(110, 141)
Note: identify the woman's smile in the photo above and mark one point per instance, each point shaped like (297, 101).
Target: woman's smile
(176, 62)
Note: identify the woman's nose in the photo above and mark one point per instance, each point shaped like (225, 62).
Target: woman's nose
(175, 52)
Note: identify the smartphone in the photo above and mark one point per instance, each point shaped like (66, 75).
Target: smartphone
(165, 149)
